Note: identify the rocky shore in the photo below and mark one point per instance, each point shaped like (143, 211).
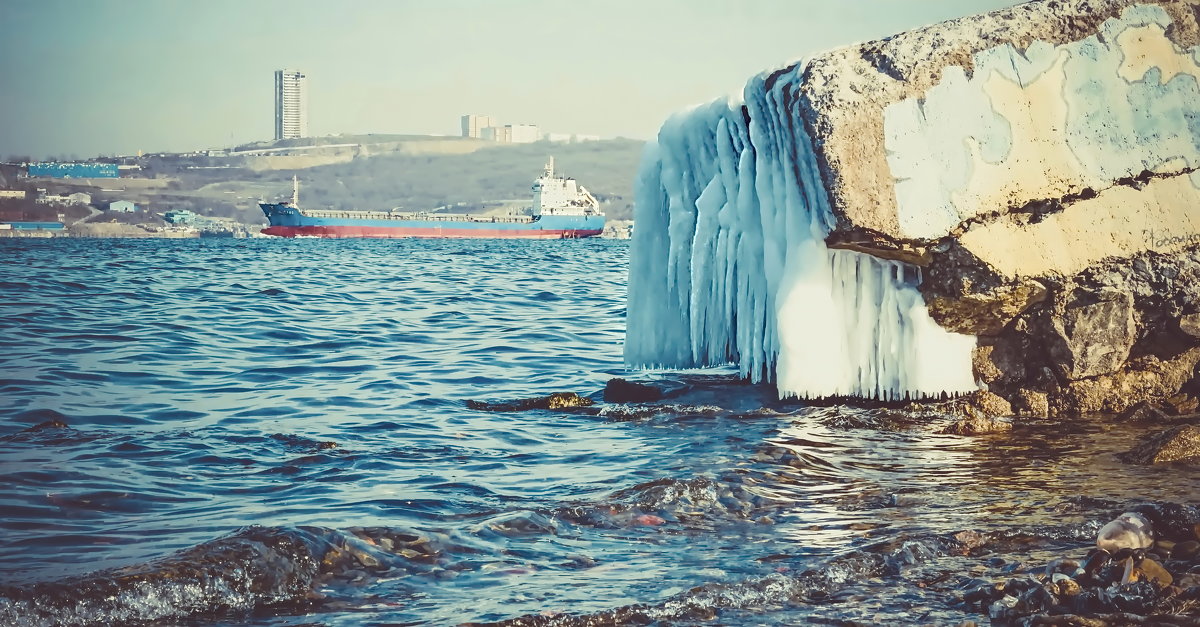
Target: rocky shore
(1144, 570)
(1120, 333)
(1139, 565)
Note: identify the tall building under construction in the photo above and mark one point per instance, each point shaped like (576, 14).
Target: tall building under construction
(291, 104)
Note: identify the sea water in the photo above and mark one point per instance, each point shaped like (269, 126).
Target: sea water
(275, 432)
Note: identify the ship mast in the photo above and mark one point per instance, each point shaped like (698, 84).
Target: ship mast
(295, 191)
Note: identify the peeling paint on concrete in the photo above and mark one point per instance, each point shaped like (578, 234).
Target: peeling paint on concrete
(1162, 216)
(1046, 123)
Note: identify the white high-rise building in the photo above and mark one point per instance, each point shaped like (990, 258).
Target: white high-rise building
(473, 125)
(291, 104)
(523, 133)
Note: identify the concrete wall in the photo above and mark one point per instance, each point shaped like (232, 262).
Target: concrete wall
(1088, 112)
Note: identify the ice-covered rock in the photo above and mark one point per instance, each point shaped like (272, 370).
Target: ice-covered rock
(1004, 201)
(730, 264)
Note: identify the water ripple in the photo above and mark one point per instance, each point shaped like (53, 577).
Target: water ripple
(275, 432)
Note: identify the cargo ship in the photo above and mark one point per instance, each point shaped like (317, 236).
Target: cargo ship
(562, 209)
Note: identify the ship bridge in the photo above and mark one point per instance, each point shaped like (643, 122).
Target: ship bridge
(561, 195)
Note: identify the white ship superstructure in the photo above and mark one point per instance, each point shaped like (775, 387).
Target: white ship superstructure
(561, 195)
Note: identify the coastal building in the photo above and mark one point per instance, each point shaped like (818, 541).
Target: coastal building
(53, 199)
(56, 170)
(32, 226)
(569, 138)
(12, 193)
(79, 198)
(512, 133)
(180, 217)
(502, 134)
(523, 133)
(291, 104)
(473, 125)
(122, 206)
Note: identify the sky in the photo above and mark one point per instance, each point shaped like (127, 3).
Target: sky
(85, 78)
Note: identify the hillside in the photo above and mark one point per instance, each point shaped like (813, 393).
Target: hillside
(473, 181)
(476, 181)
(415, 174)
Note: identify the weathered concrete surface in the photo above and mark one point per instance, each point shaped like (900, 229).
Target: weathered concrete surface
(1043, 164)
(922, 133)
(1030, 176)
(1121, 222)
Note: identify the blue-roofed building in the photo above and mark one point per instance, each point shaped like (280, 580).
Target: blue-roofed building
(180, 217)
(34, 226)
(56, 170)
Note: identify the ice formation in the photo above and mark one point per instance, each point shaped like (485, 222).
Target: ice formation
(729, 264)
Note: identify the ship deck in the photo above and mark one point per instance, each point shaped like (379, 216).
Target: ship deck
(420, 217)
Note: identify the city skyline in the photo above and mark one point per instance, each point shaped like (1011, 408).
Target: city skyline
(124, 76)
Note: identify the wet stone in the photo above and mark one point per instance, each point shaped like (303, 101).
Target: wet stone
(1143, 411)
(978, 423)
(1177, 444)
(557, 400)
(1003, 607)
(622, 391)
(1133, 584)
(1067, 587)
(1129, 530)
(1063, 566)
(1185, 550)
(1153, 572)
(49, 424)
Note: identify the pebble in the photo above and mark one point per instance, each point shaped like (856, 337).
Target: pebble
(1150, 570)
(1129, 573)
(1067, 587)
(49, 424)
(648, 520)
(366, 559)
(1128, 531)
(1002, 606)
(1185, 550)
(1062, 565)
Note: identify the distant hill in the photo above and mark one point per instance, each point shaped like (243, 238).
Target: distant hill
(472, 181)
(414, 173)
(365, 139)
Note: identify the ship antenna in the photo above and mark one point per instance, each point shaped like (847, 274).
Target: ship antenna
(295, 191)
(550, 168)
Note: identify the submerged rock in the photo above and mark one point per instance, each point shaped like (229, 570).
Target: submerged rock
(622, 391)
(1143, 412)
(978, 423)
(1177, 444)
(1128, 580)
(557, 400)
